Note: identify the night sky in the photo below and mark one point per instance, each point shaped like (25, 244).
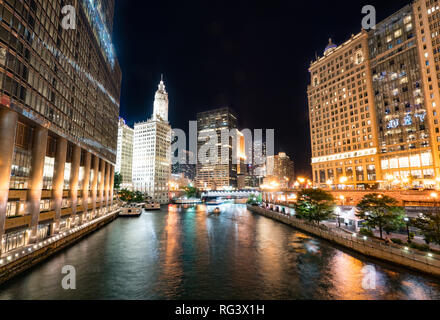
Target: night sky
(250, 55)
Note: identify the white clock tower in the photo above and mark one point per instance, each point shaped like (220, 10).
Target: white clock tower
(160, 111)
(152, 150)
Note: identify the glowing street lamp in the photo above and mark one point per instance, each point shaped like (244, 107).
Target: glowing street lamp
(329, 183)
(343, 180)
(301, 180)
(342, 198)
(407, 228)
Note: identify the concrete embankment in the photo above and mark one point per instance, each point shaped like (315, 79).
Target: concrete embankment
(406, 257)
(27, 261)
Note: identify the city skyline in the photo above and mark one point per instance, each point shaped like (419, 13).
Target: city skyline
(283, 57)
(205, 152)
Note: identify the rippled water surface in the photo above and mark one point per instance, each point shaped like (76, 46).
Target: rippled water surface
(189, 254)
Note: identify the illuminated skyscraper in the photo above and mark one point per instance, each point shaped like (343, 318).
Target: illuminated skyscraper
(404, 133)
(124, 154)
(216, 174)
(373, 104)
(342, 116)
(152, 150)
(59, 109)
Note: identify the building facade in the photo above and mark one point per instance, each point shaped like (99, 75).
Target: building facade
(427, 33)
(280, 168)
(124, 154)
(342, 119)
(152, 151)
(404, 134)
(217, 173)
(59, 108)
(373, 101)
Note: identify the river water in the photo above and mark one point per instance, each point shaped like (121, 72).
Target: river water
(180, 253)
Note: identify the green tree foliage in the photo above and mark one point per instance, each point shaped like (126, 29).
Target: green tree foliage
(191, 192)
(315, 205)
(397, 222)
(255, 200)
(130, 196)
(138, 196)
(118, 180)
(429, 225)
(381, 211)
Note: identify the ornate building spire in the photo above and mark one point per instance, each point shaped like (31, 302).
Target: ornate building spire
(160, 111)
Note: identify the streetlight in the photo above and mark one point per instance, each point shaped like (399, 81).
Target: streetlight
(407, 228)
(329, 183)
(343, 180)
(342, 198)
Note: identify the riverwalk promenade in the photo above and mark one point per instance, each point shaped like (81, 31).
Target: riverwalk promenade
(425, 262)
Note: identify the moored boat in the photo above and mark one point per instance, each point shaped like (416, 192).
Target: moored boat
(188, 201)
(152, 206)
(214, 202)
(131, 210)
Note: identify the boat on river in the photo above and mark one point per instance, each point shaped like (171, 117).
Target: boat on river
(214, 202)
(152, 206)
(187, 201)
(131, 210)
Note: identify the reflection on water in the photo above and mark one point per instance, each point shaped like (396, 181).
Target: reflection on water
(186, 253)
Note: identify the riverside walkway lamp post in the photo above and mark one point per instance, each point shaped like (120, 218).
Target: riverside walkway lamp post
(407, 228)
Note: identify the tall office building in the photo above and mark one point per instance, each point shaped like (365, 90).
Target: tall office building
(281, 168)
(152, 151)
(387, 132)
(342, 117)
(59, 108)
(124, 154)
(427, 33)
(404, 134)
(215, 174)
